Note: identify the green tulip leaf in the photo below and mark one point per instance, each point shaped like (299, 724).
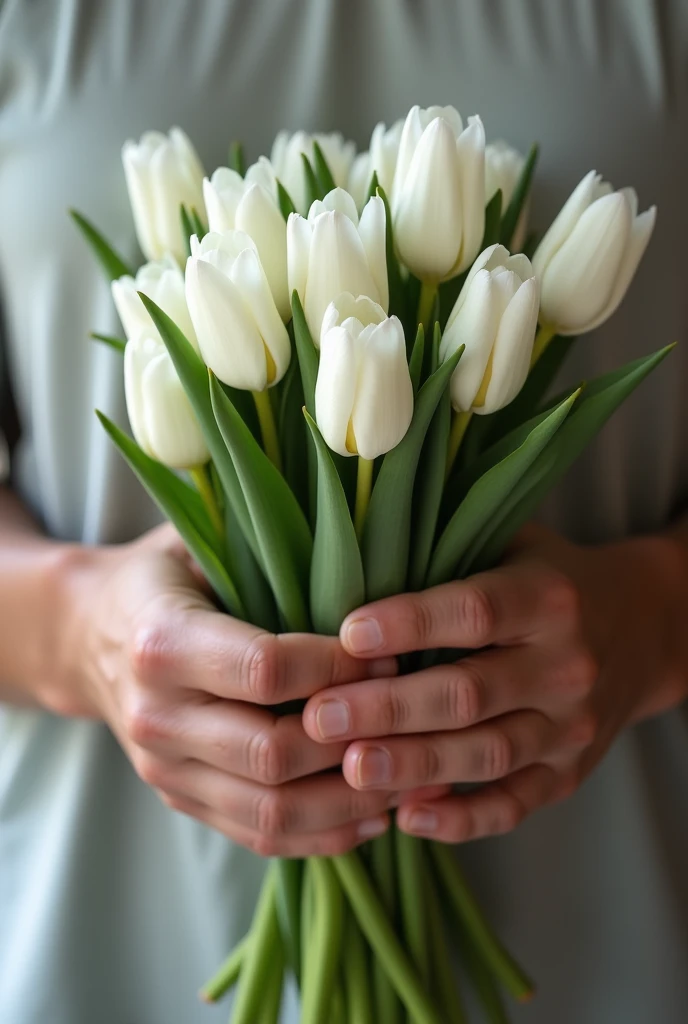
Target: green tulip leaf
(281, 530)
(486, 497)
(293, 434)
(193, 374)
(313, 189)
(199, 228)
(322, 170)
(237, 158)
(119, 344)
(518, 199)
(599, 401)
(188, 228)
(337, 584)
(429, 492)
(242, 566)
(285, 201)
(373, 187)
(386, 536)
(416, 360)
(306, 352)
(493, 219)
(184, 508)
(111, 262)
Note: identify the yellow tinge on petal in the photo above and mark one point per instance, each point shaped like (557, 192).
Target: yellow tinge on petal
(271, 366)
(351, 445)
(479, 400)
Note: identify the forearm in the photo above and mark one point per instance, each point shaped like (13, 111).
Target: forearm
(32, 573)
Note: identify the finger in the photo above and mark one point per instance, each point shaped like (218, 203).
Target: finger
(240, 739)
(330, 843)
(213, 653)
(482, 753)
(494, 810)
(315, 804)
(439, 699)
(504, 606)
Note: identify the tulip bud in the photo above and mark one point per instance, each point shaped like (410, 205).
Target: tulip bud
(249, 204)
(240, 333)
(587, 259)
(162, 172)
(332, 252)
(163, 282)
(438, 198)
(380, 159)
(503, 168)
(495, 317)
(162, 419)
(363, 394)
(286, 159)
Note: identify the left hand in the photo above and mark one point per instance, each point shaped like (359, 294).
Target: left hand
(571, 645)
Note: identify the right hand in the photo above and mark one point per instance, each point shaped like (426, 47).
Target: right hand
(181, 684)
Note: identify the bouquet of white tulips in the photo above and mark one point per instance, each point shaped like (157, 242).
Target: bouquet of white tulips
(336, 372)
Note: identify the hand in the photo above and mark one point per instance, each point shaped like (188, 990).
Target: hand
(178, 683)
(571, 645)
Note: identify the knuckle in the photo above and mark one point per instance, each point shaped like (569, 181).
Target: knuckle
(264, 846)
(273, 814)
(428, 765)
(510, 812)
(477, 613)
(151, 770)
(563, 599)
(583, 671)
(585, 728)
(262, 669)
(463, 698)
(392, 711)
(269, 757)
(335, 845)
(423, 624)
(143, 723)
(498, 755)
(152, 650)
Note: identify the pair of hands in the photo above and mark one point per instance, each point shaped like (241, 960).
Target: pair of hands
(570, 645)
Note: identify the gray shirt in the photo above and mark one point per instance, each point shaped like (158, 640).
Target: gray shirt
(113, 908)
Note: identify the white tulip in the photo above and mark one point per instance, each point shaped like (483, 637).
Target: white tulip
(438, 198)
(250, 204)
(380, 158)
(363, 394)
(162, 419)
(286, 159)
(495, 317)
(163, 282)
(240, 332)
(587, 259)
(162, 172)
(332, 251)
(503, 168)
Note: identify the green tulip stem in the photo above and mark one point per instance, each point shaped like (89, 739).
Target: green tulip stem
(426, 302)
(542, 340)
(459, 426)
(203, 483)
(268, 427)
(364, 485)
(226, 976)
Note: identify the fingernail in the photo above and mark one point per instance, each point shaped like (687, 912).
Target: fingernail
(332, 719)
(374, 767)
(363, 636)
(371, 828)
(380, 668)
(421, 822)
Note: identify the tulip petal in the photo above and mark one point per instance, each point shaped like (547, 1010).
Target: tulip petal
(428, 218)
(475, 327)
(335, 388)
(641, 232)
(222, 195)
(579, 279)
(137, 176)
(494, 256)
(138, 352)
(359, 179)
(337, 263)
(299, 234)
(383, 407)
(513, 348)
(227, 334)
(171, 426)
(339, 199)
(565, 221)
(346, 308)
(259, 217)
(470, 148)
(372, 229)
(249, 277)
